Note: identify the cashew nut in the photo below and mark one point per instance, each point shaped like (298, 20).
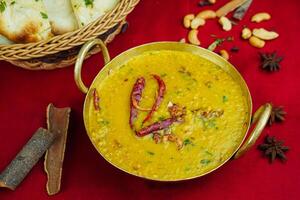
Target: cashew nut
(193, 37)
(256, 42)
(246, 33)
(207, 14)
(212, 1)
(196, 22)
(182, 40)
(259, 17)
(224, 54)
(187, 20)
(263, 34)
(226, 24)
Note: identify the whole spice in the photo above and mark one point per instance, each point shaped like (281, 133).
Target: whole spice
(234, 49)
(270, 61)
(20, 166)
(230, 6)
(157, 126)
(136, 96)
(273, 148)
(204, 3)
(160, 95)
(277, 115)
(58, 122)
(240, 12)
(96, 99)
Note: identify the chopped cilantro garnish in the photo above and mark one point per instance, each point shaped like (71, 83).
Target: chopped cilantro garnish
(2, 6)
(187, 142)
(225, 99)
(205, 161)
(44, 15)
(88, 3)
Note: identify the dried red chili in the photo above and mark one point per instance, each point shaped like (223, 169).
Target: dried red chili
(96, 99)
(160, 95)
(136, 95)
(157, 126)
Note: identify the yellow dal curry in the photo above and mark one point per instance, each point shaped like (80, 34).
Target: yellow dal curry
(212, 111)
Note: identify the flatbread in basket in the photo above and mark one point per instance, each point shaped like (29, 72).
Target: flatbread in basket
(51, 32)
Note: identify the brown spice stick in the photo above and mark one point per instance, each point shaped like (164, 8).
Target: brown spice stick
(230, 6)
(20, 166)
(58, 122)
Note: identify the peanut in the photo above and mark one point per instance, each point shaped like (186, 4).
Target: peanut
(187, 20)
(193, 37)
(224, 54)
(207, 14)
(196, 22)
(226, 24)
(246, 33)
(259, 17)
(263, 34)
(256, 42)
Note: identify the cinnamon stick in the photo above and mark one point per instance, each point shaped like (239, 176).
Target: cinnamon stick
(58, 122)
(230, 6)
(21, 165)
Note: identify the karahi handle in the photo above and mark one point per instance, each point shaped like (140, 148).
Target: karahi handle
(260, 118)
(82, 54)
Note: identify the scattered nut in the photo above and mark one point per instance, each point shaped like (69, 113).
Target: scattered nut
(207, 14)
(246, 33)
(263, 34)
(182, 40)
(256, 42)
(212, 1)
(224, 54)
(193, 37)
(259, 17)
(187, 20)
(196, 22)
(226, 24)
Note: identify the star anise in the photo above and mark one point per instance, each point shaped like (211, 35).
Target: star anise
(270, 61)
(273, 148)
(277, 115)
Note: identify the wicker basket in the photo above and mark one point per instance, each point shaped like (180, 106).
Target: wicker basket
(61, 51)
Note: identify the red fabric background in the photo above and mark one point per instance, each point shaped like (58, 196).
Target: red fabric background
(25, 95)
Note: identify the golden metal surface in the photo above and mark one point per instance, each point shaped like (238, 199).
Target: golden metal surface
(260, 118)
(121, 59)
(82, 53)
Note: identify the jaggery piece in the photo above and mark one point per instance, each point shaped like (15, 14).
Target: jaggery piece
(58, 122)
(20, 166)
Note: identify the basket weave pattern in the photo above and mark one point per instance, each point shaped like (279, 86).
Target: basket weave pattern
(39, 55)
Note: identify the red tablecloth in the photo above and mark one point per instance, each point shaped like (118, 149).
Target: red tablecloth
(25, 95)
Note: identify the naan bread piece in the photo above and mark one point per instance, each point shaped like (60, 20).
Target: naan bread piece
(87, 11)
(4, 40)
(61, 16)
(24, 21)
